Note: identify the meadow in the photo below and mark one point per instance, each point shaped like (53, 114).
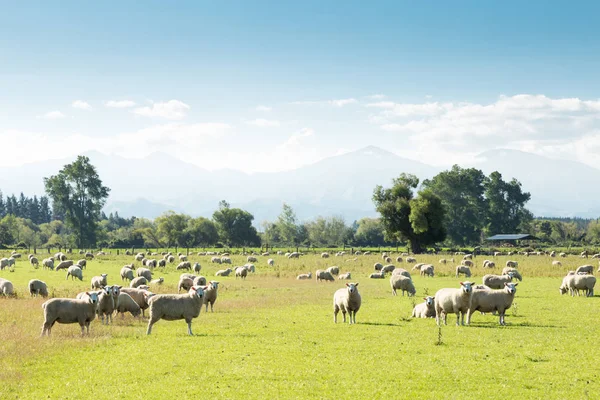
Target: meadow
(272, 336)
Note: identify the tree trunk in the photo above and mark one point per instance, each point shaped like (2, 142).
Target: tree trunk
(415, 246)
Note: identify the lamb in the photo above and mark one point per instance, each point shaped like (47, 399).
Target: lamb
(497, 281)
(453, 301)
(145, 272)
(171, 307)
(64, 265)
(324, 276)
(403, 283)
(388, 268)
(516, 274)
(68, 311)
(401, 271)
(34, 262)
(197, 267)
(585, 268)
(98, 282)
(304, 276)
(184, 265)
(185, 283)
(126, 273)
(136, 282)
(346, 276)
(158, 281)
(333, 270)
(427, 270)
(426, 309)
(378, 266)
(241, 272)
(215, 260)
(463, 269)
(210, 295)
(271, 262)
(6, 287)
(377, 275)
(223, 272)
(127, 304)
(48, 263)
(512, 264)
(487, 300)
(140, 296)
(38, 288)
(75, 272)
(200, 281)
(347, 300)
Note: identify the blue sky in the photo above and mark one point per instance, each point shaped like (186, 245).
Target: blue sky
(274, 85)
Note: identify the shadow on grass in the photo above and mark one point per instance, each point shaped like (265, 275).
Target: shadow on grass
(378, 324)
(511, 325)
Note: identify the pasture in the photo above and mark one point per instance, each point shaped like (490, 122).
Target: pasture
(272, 336)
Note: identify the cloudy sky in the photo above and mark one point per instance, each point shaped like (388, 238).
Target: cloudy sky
(267, 86)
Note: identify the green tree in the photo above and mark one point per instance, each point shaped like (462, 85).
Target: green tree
(419, 220)
(77, 190)
(286, 225)
(171, 226)
(2, 206)
(506, 210)
(235, 226)
(369, 232)
(593, 231)
(202, 231)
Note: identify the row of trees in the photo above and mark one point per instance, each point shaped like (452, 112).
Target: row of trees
(37, 210)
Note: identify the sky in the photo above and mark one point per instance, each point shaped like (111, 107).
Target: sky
(274, 85)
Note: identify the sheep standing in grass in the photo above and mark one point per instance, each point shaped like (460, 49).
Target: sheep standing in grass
(127, 304)
(399, 259)
(588, 269)
(64, 265)
(223, 272)
(6, 287)
(215, 260)
(575, 283)
(184, 265)
(515, 273)
(321, 275)
(304, 276)
(3, 263)
(378, 266)
(411, 260)
(512, 264)
(210, 295)
(197, 267)
(38, 288)
(388, 268)
(556, 263)
(469, 263)
(200, 281)
(488, 300)
(225, 260)
(98, 282)
(106, 304)
(346, 276)
(427, 270)
(463, 269)
(48, 263)
(271, 262)
(425, 309)
(347, 300)
(333, 270)
(144, 272)
(453, 301)
(417, 267)
(241, 272)
(497, 281)
(82, 263)
(140, 296)
(126, 273)
(403, 283)
(74, 272)
(137, 282)
(171, 307)
(185, 284)
(34, 262)
(377, 275)
(401, 271)
(68, 311)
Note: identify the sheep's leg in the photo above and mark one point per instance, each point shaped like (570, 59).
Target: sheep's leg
(150, 323)
(82, 329)
(212, 305)
(189, 323)
(394, 292)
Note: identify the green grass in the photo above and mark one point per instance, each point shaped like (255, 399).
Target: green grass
(273, 337)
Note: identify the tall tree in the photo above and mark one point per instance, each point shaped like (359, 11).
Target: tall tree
(369, 232)
(77, 190)
(2, 206)
(235, 226)
(506, 210)
(286, 224)
(45, 212)
(419, 220)
(34, 210)
(172, 227)
(203, 231)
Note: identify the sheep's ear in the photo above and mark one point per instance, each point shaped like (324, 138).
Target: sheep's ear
(462, 284)
(515, 284)
(425, 298)
(88, 293)
(356, 284)
(347, 284)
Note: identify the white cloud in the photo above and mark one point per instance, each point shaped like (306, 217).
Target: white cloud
(82, 105)
(52, 115)
(120, 104)
(264, 123)
(342, 102)
(264, 108)
(376, 97)
(335, 102)
(172, 109)
(298, 137)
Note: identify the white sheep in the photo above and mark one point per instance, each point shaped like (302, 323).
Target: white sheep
(453, 301)
(197, 267)
(241, 272)
(347, 300)
(137, 282)
(158, 281)
(106, 304)
(271, 262)
(463, 269)
(6, 287)
(223, 272)
(411, 260)
(68, 311)
(585, 268)
(98, 282)
(294, 255)
(127, 304)
(140, 296)
(324, 276)
(225, 260)
(575, 283)
(333, 270)
(425, 309)
(377, 266)
(403, 283)
(251, 259)
(185, 283)
(399, 259)
(388, 268)
(488, 300)
(210, 295)
(304, 276)
(215, 260)
(171, 307)
(144, 272)
(417, 267)
(497, 281)
(346, 276)
(38, 288)
(64, 265)
(515, 273)
(126, 273)
(200, 281)
(469, 263)
(556, 263)
(34, 262)
(512, 264)
(401, 271)
(427, 270)
(443, 261)
(184, 265)
(74, 272)
(48, 263)
(377, 275)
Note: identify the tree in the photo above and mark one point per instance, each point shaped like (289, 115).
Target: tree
(593, 231)
(171, 226)
(77, 191)
(369, 232)
(235, 226)
(506, 210)
(203, 231)
(419, 220)
(286, 225)
(2, 206)
(45, 212)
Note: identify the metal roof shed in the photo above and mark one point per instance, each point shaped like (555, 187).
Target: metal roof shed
(511, 237)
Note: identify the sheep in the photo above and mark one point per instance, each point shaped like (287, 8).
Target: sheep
(106, 304)
(223, 272)
(378, 266)
(426, 309)
(443, 261)
(497, 281)
(6, 287)
(241, 272)
(162, 263)
(171, 259)
(74, 272)
(271, 262)
(200, 281)
(516, 274)
(60, 257)
(417, 267)
(185, 284)
(399, 259)
(151, 264)
(211, 293)
(38, 288)
(129, 266)
(304, 276)
(487, 300)
(411, 260)
(140, 296)
(64, 265)
(126, 273)
(127, 304)
(347, 300)
(333, 270)
(469, 263)
(294, 255)
(556, 263)
(68, 311)
(14, 254)
(158, 281)
(215, 260)
(468, 257)
(11, 261)
(98, 282)
(553, 253)
(321, 275)
(388, 260)
(266, 254)
(225, 260)
(575, 283)
(512, 264)
(453, 301)
(139, 257)
(388, 268)
(171, 307)
(143, 287)
(3, 263)
(427, 270)
(403, 283)
(91, 255)
(184, 265)
(183, 258)
(251, 259)
(377, 275)
(34, 262)
(563, 254)
(463, 269)
(250, 267)
(497, 253)
(585, 268)
(48, 263)
(345, 276)
(145, 272)
(197, 267)
(136, 282)
(401, 271)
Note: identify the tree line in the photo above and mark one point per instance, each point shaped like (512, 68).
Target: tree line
(33, 208)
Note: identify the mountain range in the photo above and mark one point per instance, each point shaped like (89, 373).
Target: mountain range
(339, 185)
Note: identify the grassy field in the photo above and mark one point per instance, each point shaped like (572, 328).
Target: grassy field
(272, 336)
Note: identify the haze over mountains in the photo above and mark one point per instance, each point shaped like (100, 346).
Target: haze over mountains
(339, 185)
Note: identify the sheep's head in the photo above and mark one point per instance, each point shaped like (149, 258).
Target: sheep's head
(429, 300)
(116, 290)
(92, 297)
(214, 284)
(198, 291)
(511, 288)
(352, 287)
(107, 290)
(467, 287)
(563, 289)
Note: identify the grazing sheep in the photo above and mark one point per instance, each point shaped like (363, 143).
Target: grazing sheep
(497, 281)
(417, 267)
(453, 301)
(60, 256)
(345, 276)
(497, 253)
(388, 260)
(347, 300)
(411, 260)
(556, 263)
(47, 263)
(162, 263)
(139, 257)
(401, 271)
(266, 254)
(183, 258)
(516, 274)
(126, 273)
(34, 262)
(14, 254)
(399, 259)
(487, 300)
(158, 281)
(575, 283)
(68, 311)
(200, 281)
(563, 254)
(127, 304)
(588, 269)
(241, 272)
(426, 309)
(185, 283)
(3, 263)
(197, 267)
(463, 269)
(468, 257)
(6, 287)
(427, 270)
(512, 264)
(171, 307)
(469, 263)
(171, 259)
(145, 272)
(403, 283)
(388, 268)
(304, 276)
(333, 270)
(184, 265)
(215, 260)
(251, 259)
(64, 265)
(443, 261)
(11, 261)
(378, 266)
(223, 272)
(98, 282)
(74, 272)
(271, 262)
(324, 276)
(377, 275)
(136, 282)
(38, 288)
(140, 296)
(143, 287)
(553, 253)
(225, 260)
(294, 255)
(151, 263)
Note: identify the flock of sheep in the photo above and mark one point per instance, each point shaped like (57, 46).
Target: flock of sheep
(494, 295)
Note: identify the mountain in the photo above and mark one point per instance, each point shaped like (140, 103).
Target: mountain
(339, 185)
